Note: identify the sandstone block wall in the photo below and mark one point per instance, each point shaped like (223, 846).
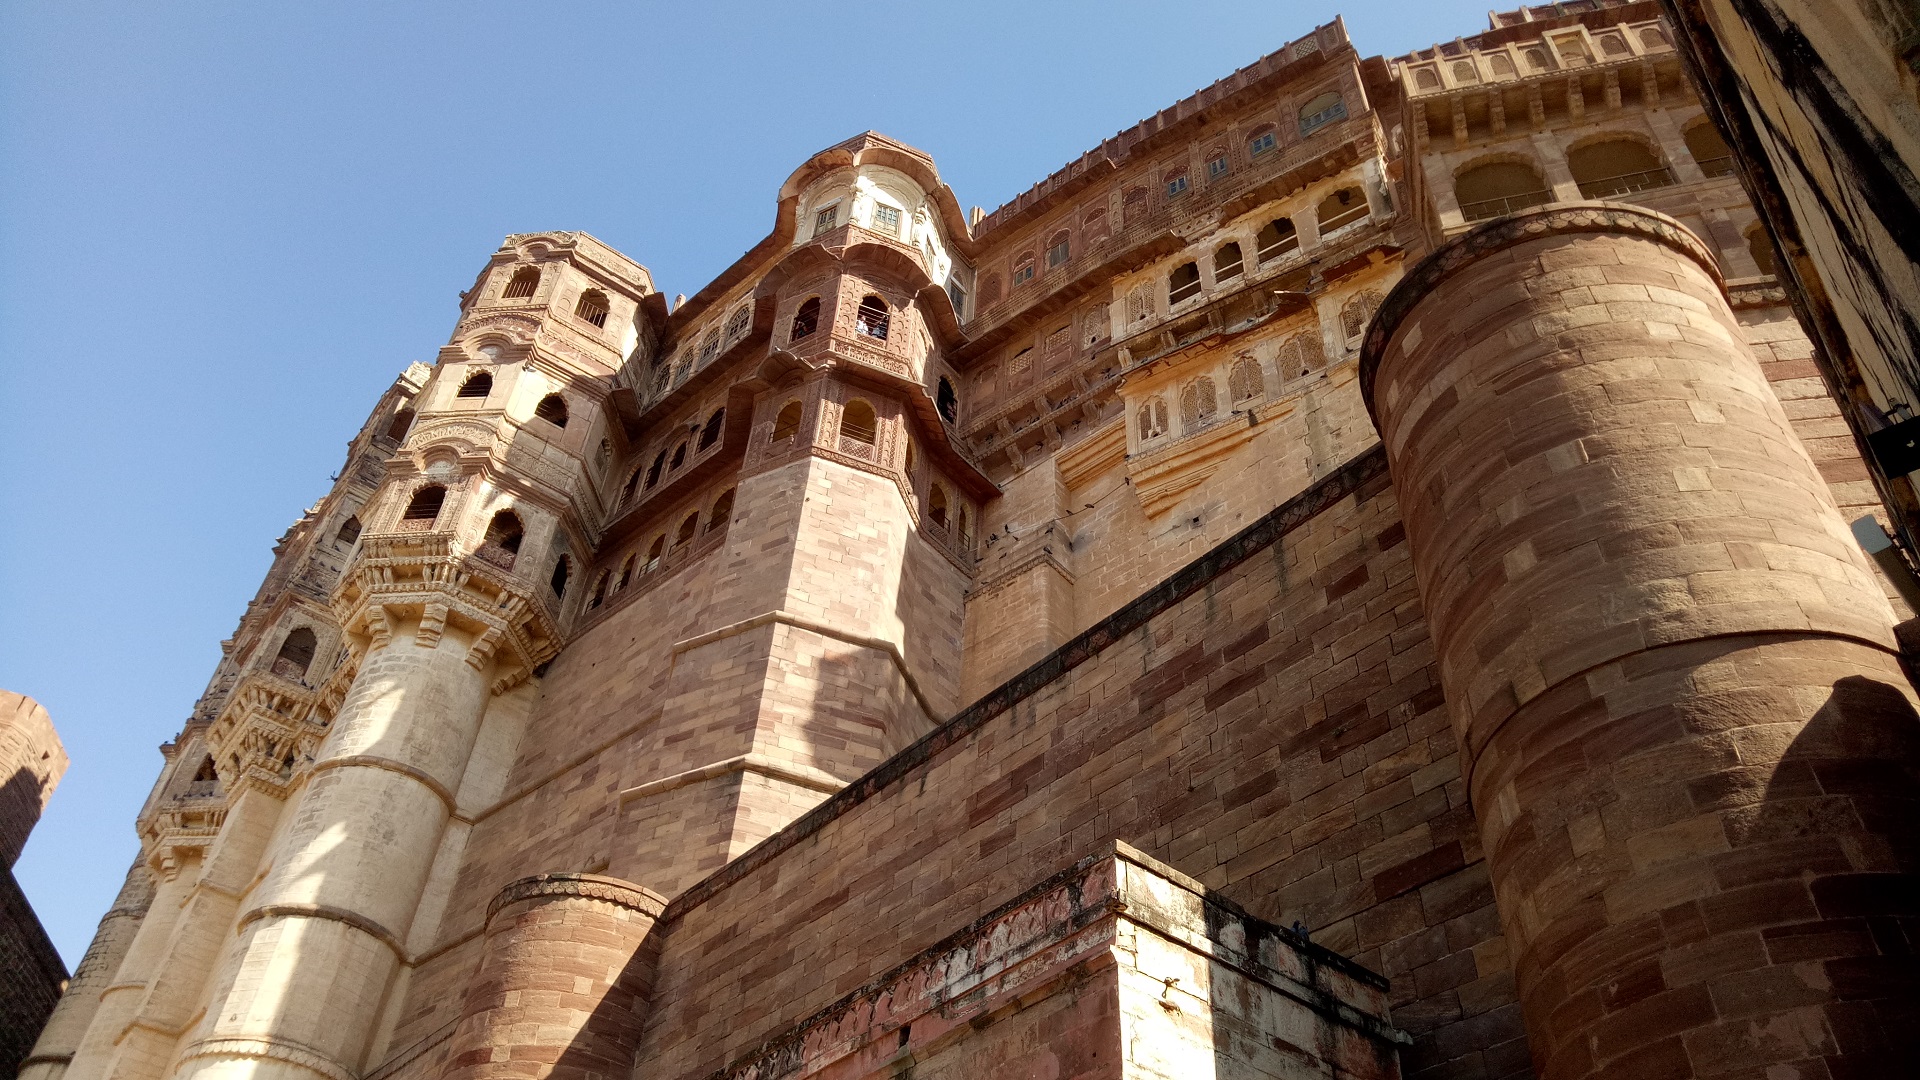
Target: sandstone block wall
(1690, 745)
(1269, 721)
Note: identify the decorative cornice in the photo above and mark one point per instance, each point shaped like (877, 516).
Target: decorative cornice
(567, 886)
(428, 576)
(1470, 247)
(273, 1048)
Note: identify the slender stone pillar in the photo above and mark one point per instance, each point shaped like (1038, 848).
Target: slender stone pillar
(562, 988)
(177, 987)
(1688, 740)
(60, 1039)
(321, 937)
(119, 1001)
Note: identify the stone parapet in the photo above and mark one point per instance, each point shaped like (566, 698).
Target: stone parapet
(1671, 671)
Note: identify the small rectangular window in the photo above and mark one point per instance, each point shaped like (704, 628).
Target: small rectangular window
(886, 219)
(1216, 168)
(1176, 186)
(1023, 273)
(1261, 143)
(825, 220)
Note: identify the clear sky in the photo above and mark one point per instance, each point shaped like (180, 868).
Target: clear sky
(227, 227)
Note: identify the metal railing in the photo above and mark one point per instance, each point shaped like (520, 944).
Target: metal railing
(1717, 166)
(1505, 204)
(1344, 218)
(1627, 183)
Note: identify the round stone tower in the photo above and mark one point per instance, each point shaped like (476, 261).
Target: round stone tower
(562, 983)
(1686, 732)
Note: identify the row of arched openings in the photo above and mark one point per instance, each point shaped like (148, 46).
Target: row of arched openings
(592, 306)
(1277, 238)
(873, 318)
(1605, 168)
(611, 581)
(666, 463)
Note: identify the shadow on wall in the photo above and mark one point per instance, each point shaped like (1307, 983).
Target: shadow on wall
(1851, 772)
(20, 800)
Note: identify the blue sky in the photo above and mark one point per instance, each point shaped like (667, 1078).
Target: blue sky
(226, 228)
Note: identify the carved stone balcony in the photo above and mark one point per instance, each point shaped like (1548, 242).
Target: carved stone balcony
(267, 734)
(429, 579)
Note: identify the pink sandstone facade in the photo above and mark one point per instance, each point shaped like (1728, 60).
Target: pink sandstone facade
(1348, 578)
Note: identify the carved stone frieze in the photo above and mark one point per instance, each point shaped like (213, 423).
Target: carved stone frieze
(430, 579)
(267, 734)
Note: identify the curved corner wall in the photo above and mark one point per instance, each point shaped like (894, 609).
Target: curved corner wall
(1688, 741)
(562, 984)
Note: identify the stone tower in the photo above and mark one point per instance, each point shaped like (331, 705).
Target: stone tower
(1305, 589)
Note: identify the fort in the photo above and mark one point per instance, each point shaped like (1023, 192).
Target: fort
(1349, 577)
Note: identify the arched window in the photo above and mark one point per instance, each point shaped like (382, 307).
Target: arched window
(1023, 269)
(626, 572)
(722, 512)
(1502, 65)
(990, 291)
(1153, 418)
(1134, 206)
(688, 526)
(1653, 38)
(710, 433)
(592, 307)
(599, 591)
(787, 424)
(872, 318)
(1226, 262)
(945, 400)
(1176, 182)
(1495, 188)
(502, 542)
(740, 322)
(806, 320)
(1277, 237)
(1355, 314)
(1614, 45)
(562, 567)
(349, 531)
(857, 422)
(1199, 401)
(1059, 249)
(424, 507)
(1095, 324)
(653, 554)
(478, 385)
(552, 409)
(1709, 150)
(401, 423)
(1321, 111)
(1260, 141)
(1183, 283)
(1093, 227)
(633, 484)
(206, 772)
(1140, 304)
(1243, 382)
(1426, 79)
(1536, 59)
(965, 528)
(1217, 166)
(523, 283)
(1616, 167)
(957, 296)
(679, 455)
(654, 470)
(710, 348)
(937, 506)
(1298, 356)
(1340, 209)
(296, 654)
(1465, 72)
(1761, 248)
